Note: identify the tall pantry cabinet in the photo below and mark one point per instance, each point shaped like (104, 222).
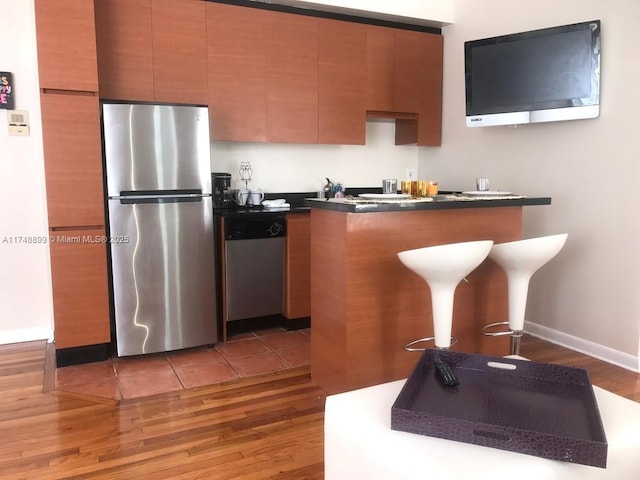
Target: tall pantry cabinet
(73, 166)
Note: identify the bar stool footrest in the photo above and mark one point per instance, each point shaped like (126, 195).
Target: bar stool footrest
(513, 333)
(409, 347)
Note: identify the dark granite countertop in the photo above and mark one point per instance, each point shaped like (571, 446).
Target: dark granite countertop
(453, 200)
(295, 200)
(302, 202)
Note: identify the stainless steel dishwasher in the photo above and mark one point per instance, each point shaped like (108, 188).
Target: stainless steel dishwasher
(254, 266)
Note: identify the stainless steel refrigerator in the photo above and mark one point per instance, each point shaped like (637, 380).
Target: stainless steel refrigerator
(161, 241)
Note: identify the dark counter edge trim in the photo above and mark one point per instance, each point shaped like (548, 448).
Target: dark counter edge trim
(330, 15)
(435, 205)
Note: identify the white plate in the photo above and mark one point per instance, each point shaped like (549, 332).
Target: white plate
(384, 195)
(280, 206)
(486, 193)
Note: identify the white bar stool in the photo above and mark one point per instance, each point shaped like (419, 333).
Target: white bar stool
(443, 267)
(520, 260)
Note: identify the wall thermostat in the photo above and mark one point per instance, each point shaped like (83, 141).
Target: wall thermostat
(18, 122)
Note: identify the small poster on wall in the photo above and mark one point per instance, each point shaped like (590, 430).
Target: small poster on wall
(6, 90)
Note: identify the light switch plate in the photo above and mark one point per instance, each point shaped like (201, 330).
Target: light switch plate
(18, 122)
(411, 174)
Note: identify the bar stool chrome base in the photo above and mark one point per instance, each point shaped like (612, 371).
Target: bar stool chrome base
(516, 336)
(409, 346)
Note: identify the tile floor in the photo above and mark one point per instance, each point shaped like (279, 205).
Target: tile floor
(243, 355)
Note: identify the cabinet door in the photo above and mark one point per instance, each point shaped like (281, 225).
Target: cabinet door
(342, 81)
(66, 39)
(418, 81)
(291, 43)
(179, 51)
(80, 288)
(125, 55)
(380, 53)
(73, 159)
(430, 112)
(236, 69)
(298, 266)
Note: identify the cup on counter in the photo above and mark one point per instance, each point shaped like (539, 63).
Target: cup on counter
(482, 184)
(422, 188)
(414, 188)
(432, 188)
(405, 187)
(389, 185)
(255, 197)
(241, 196)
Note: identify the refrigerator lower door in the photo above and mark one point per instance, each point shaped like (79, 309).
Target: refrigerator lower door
(163, 274)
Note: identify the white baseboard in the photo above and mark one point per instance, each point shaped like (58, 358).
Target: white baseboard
(26, 335)
(592, 349)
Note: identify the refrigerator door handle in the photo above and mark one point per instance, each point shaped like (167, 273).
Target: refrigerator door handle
(153, 193)
(162, 199)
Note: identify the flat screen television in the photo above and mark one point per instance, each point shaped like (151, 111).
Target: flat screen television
(542, 75)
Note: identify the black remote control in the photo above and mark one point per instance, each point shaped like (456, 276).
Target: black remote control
(445, 373)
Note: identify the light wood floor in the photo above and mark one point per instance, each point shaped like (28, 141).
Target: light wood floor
(269, 426)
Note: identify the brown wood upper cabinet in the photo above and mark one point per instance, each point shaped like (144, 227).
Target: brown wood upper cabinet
(404, 81)
(263, 75)
(342, 48)
(125, 55)
(73, 159)
(237, 86)
(418, 82)
(66, 40)
(270, 76)
(152, 50)
(380, 56)
(291, 50)
(179, 31)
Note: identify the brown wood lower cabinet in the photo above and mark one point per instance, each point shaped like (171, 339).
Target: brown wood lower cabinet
(297, 265)
(80, 287)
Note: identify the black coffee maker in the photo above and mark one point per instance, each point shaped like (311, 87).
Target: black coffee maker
(221, 189)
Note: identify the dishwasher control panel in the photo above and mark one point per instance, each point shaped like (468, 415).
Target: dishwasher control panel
(260, 226)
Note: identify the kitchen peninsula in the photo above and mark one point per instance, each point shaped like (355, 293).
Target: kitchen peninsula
(366, 305)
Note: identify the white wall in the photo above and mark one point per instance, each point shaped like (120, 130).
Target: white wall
(25, 284)
(588, 296)
(425, 12)
(303, 168)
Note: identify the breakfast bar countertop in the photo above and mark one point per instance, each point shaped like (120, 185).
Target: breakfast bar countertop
(352, 204)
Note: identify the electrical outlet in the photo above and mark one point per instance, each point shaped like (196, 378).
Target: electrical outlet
(411, 174)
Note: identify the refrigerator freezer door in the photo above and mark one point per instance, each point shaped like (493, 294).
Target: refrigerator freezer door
(163, 274)
(156, 147)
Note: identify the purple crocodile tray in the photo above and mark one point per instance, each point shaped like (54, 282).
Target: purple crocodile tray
(533, 408)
